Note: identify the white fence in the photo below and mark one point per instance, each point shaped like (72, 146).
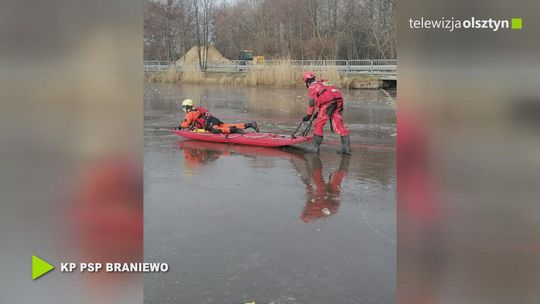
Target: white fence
(365, 66)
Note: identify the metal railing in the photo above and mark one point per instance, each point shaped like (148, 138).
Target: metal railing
(156, 65)
(363, 66)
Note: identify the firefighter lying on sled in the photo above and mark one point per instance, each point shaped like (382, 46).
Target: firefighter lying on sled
(200, 118)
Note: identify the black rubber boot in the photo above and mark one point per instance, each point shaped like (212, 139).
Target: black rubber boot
(253, 125)
(235, 130)
(314, 148)
(345, 145)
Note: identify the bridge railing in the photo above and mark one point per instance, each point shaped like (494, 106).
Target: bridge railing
(157, 65)
(360, 66)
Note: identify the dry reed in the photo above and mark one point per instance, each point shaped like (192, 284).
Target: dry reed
(282, 74)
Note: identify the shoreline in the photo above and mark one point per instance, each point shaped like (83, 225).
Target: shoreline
(270, 78)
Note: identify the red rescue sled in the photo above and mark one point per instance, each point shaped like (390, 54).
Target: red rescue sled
(250, 139)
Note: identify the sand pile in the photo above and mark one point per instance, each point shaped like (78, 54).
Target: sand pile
(191, 56)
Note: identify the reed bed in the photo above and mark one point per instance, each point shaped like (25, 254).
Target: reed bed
(282, 74)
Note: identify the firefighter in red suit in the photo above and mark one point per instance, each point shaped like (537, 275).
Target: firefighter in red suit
(328, 101)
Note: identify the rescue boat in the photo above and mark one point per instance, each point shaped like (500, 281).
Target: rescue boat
(250, 139)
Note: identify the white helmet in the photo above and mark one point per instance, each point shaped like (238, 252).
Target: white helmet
(187, 104)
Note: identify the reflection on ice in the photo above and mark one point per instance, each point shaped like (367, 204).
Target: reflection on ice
(322, 198)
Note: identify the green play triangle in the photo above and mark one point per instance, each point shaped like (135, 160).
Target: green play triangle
(40, 267)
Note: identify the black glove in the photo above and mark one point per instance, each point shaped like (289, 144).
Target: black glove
(306, 118)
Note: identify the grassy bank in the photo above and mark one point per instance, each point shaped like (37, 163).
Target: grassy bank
(282, 75)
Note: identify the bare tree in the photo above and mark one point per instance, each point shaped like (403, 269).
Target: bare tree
(203, 13)
(301, 29)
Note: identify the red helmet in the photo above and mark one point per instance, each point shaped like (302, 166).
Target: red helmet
(308, 75)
